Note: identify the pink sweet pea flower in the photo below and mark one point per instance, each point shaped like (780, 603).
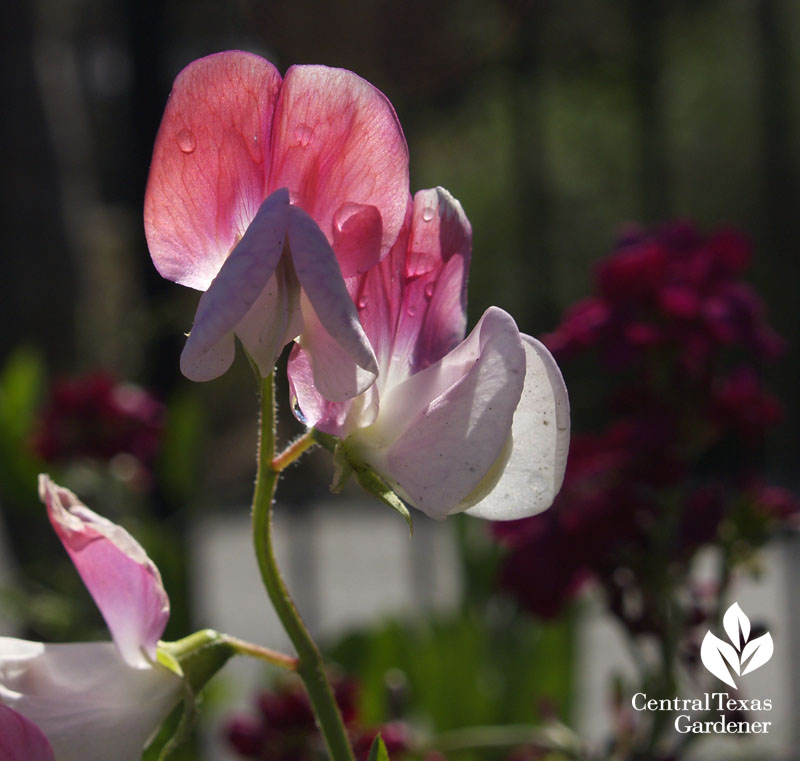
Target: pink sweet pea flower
(264, 193)
(478, 425)
(21, 739)
(88, 698)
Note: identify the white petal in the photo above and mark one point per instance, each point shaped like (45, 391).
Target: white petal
(89, 703)
(535, 470)
(450, 438)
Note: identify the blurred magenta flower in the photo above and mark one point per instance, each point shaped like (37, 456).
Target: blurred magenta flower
(675, 340)
(478, 425)
(21, 739)
(284, 728)
(96, 416)
(264, 193)
(89, 697)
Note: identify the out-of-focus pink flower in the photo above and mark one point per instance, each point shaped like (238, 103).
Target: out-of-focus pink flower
(265, 192)
(776, 503)
(480, 426)
(665, 473)
(21, 739)
(97, 416)
(741, 403)
(285, 729)
(89, 697)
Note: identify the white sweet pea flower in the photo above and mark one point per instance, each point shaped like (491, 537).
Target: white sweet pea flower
(479, 425)
(94, 701)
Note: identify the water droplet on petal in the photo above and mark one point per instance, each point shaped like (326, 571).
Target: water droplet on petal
(362, 302)
(302, 134)
(427, 213)
(428, 291)
(187, 142)
(412, 310)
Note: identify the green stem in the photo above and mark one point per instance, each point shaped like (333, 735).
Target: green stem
(262, 653)
(310, 664)
(300, 445)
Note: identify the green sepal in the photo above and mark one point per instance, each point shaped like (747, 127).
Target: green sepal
(377, 751)
(195, 659)
(198, 656)
(344, 465)
(342, 469)
(371, 482)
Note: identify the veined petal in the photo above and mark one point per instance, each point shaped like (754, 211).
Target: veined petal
(21, 739)
(337, 141)
(123, 581)
(357, 237)
(342, 339)
(440, 432)
(89, 703)
(432, 316)
(535, 470)
(233, 292)
(207, 176)
(308, 405)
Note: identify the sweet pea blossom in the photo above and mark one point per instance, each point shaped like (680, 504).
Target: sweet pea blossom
(479, 425)
(21, 739)
(89, 698)
(264, 193)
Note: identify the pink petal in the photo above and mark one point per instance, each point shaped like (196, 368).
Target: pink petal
(337, 375)
(120, 577)
(244, 276)
(21, 739)
(378, 295)
(335, 339)
(337, 141)
(308, 405)
(535, 470)
(433, 316)
(357, 237)
(207, 177)
(454, 418)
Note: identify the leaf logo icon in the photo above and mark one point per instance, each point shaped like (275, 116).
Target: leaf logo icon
(742, 655)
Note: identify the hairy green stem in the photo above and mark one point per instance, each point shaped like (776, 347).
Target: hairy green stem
(293, 452)
(310, 665)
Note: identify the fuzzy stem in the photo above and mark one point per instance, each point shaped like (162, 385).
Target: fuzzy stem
(293, 452)
(310, 665)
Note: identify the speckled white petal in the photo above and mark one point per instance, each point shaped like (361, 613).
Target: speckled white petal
(535, 470)
(454, 439)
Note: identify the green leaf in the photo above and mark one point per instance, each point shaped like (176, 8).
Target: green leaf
(20, 391)
(377, 751)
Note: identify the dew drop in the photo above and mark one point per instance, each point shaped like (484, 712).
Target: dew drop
(362, 302)
(302, 134)
(187, 142)
(428, 291)
(427, 213)
(412, 310)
